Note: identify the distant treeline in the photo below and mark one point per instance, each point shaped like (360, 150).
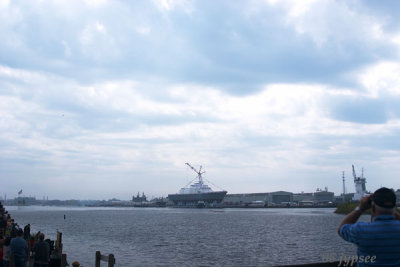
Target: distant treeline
(348, 207)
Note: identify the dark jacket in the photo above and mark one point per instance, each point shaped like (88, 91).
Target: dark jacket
(19, 247)
(42, 251)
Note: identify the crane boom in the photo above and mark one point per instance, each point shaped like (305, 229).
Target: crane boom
(199, 173)
(354, 173)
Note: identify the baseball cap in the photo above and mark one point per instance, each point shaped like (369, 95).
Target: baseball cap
(384, 197)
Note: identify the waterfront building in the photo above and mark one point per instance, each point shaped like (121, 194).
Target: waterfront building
(324, 196)
(267, 199)
(283, 198)
(303, 197)
(245, 199)
(25, 201)
(347, 198)
(280, 197)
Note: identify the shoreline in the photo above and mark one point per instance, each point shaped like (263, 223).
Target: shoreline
(117, 207)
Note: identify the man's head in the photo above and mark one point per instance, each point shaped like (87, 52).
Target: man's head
(41, 236)
(383, 201)
(20, 232)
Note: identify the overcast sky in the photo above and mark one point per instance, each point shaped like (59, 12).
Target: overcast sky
(102, 99)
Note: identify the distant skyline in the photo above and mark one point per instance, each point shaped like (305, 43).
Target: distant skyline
(103, 99)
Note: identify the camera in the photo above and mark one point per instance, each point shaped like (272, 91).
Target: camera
(370, 199)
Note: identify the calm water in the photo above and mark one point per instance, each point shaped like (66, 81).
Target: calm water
(191, 237)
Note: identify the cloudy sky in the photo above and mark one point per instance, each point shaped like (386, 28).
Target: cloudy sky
(102, 99)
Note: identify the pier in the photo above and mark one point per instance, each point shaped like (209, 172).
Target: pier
(9, 228)
(57, 258)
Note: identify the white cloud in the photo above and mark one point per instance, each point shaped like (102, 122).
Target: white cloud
(170, 5)
(11, 16)
(97, 43)
(331, 22)
(300, 8)
(21, 75)
(144, 30)
(67, 49)
(95, 3)
(100, 27)
(381, 78)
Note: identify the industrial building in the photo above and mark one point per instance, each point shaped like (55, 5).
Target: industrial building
(280, 198)
(263, 199)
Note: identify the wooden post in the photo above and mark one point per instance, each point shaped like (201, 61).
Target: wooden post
(63, 260)
(111, 260)
(98, 255)
(59, 241)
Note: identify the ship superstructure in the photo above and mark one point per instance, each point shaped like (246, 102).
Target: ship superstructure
(197, 194)
(359, 183)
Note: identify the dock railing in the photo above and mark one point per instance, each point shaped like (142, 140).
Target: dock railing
(110, 259)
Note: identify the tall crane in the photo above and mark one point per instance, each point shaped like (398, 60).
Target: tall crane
(199, 173)
(359, 183)
(354, 173)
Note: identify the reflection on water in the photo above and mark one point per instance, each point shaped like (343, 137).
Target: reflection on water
(191, 237)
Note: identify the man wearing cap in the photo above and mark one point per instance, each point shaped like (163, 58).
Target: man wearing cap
(378, 241)
(19, 247)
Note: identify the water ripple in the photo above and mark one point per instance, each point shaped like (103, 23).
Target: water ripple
(191, 237)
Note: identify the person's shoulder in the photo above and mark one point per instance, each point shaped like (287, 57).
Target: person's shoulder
(14, 243)
(357, 224)
(362, 224)
(353, 227)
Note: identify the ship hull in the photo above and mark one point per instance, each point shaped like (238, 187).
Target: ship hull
(191, 200)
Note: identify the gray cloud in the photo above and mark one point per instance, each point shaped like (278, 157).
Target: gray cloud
(359, 110)
(239, 51)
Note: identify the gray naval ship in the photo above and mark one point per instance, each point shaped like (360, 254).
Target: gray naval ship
(197, 194)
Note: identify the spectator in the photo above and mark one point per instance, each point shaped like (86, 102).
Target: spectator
(27, 232)
(42, 252)
(32, 244)
(55, 258)
(3, 222)
(378, 241)
(6, 252)
(19, 247)
(1, 250)
(37, 236)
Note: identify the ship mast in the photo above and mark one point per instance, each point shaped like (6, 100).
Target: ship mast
(199, 173)
(344, 188)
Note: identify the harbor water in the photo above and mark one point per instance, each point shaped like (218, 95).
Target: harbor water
(191, 237)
